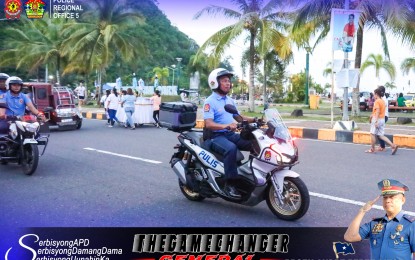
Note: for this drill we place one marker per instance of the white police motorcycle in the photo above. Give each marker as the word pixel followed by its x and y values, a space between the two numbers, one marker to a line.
pixel 265 175
pixel 20 144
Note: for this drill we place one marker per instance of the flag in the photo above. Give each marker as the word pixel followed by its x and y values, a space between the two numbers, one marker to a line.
pixel 342 248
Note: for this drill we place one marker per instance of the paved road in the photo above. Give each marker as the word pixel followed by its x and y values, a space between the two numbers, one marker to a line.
pixel 114 177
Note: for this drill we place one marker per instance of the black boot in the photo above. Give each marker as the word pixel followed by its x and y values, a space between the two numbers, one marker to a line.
pixel 230 190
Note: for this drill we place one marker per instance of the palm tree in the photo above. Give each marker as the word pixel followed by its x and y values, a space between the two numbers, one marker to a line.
pixel 407 65
pixel 328 70
pixel 378 63
pixel 100 36
pixel 384 15
pixel 36 43
pixel 255 18
pixel 390 85
pixel 162 74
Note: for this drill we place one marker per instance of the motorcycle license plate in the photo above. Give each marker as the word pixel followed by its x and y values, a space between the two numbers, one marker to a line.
pixel 66 120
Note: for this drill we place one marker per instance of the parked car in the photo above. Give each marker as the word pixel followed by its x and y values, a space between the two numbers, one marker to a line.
pixel 409 99
pixel 60 101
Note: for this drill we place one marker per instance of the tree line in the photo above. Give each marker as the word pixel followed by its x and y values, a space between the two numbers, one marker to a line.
pixel 116 38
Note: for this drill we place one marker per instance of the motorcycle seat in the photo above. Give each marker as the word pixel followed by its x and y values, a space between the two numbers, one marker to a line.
pixel 197 138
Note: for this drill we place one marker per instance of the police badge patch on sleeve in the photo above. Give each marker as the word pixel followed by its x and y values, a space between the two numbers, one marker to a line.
pixel 207 108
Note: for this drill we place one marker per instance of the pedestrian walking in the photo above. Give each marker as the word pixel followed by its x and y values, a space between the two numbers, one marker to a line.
pixel 156 99
pixel 81 93
pixel 112 105
pixel 104 104
pixel 377 123
pixel 382 145
pixel 391 236
pixel 128 103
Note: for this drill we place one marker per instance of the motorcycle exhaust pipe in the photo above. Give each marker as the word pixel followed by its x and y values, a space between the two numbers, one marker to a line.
pixel 178 168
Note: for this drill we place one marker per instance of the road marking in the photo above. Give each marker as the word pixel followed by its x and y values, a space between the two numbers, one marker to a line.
pixel 123 155
pixel 353 202
pixel 346 143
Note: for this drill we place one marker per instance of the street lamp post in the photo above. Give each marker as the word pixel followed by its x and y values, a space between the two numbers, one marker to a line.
pixel 173 68
pixel 178 75
pixel 51 79
pixel 307 69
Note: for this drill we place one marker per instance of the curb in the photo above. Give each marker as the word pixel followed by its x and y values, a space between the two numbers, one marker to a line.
pixel 356 137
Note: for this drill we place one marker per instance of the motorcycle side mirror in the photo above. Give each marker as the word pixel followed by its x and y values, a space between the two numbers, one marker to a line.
pixel 232 109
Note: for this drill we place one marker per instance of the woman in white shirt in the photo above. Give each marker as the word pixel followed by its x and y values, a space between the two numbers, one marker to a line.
pixel 112 106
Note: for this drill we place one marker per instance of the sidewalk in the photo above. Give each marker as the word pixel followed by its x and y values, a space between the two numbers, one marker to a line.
pixel 402 135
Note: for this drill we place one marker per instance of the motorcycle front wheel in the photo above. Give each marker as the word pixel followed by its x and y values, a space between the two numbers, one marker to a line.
pixel 295 201
pixel 30 158
pixel 189 194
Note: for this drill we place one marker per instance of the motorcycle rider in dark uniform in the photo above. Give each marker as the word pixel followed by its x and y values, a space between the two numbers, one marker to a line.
pixel 223 139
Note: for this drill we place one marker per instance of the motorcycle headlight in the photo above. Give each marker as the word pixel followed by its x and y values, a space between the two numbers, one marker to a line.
pixel 32 127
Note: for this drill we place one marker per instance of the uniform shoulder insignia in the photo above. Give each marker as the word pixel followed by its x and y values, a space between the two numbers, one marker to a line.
pixel 1 96
pixel 409 218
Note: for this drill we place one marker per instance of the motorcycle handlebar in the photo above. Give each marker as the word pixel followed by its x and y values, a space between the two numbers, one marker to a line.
pixel 12 118
pixel 39 118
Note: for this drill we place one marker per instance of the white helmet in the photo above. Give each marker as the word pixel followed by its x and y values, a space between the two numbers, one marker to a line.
pixel 4 76
pixel 14 80
pixel 213 79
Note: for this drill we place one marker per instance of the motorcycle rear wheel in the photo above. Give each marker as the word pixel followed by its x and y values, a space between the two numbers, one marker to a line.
pixel 30 158
pixel 296 199
pixel 189 194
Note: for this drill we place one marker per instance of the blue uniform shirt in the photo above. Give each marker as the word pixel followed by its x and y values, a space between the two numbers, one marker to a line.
pixel 390 239
pixel 214 108
pixel 16 104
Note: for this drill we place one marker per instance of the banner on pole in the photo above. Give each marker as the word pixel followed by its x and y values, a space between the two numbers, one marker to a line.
pixel 344 24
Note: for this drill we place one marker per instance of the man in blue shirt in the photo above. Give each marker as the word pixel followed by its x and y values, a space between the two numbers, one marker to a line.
pixel 222 124
pixel 16 102
pixel 391 236
pixel 3 78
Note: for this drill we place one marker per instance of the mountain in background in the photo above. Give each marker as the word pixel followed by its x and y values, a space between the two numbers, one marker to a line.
pixel 164 43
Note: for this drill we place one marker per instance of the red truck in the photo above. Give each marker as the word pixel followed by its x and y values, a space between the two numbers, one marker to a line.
pixel 60 101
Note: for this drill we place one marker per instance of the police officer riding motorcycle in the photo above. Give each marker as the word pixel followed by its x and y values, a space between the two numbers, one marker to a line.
pixel 213 166
pixel 3 78
pixel 19 133
pixel 220 127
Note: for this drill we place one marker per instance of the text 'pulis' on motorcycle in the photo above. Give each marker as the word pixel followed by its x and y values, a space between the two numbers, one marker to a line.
pixel 265 175
pixel 21 143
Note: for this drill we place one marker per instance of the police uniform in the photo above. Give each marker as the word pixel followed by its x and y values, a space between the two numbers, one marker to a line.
pixel 17 104
pixel 4 126
pixel 224 142
pixel 394 238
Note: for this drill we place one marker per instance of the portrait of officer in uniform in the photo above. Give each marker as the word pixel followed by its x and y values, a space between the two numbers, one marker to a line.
pixel 391 236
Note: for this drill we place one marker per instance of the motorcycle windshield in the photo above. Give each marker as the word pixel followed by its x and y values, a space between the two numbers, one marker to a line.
pixel 276 127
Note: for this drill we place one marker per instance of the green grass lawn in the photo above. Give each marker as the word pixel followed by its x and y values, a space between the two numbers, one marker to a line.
pixel 323 113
